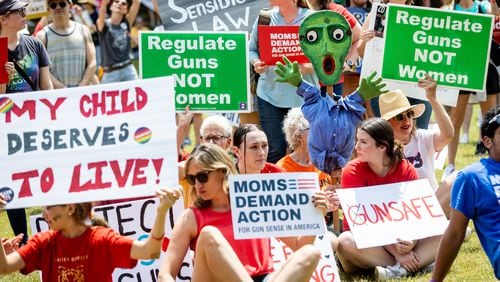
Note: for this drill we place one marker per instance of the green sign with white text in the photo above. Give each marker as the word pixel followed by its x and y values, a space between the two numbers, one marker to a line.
pixel 452 47
pixel 210 70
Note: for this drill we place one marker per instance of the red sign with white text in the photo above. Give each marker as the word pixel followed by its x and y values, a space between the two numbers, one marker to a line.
pixel 4 77
pixel 278 41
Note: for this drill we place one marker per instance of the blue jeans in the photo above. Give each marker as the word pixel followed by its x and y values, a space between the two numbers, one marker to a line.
pixel 271 120
pixel 125 74
pixel 422 121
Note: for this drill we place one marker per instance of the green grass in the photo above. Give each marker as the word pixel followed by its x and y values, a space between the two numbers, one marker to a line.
pixel 470 265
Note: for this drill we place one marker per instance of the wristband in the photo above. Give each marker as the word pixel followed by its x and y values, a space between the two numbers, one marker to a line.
pixel 433 280
pixel 157 238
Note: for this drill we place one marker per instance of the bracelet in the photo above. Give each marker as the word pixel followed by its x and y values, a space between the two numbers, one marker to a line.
pixel 433 280
pixel 157 238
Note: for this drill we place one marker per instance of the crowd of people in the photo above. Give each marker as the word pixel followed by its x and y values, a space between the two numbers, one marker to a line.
pixel 384 138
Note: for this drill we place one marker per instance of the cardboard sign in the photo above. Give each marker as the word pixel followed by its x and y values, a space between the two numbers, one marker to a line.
pixel 210 70
pixel 108 141
pixel 278 41
pixel 134 220
pixel 274 205
pixel 452 47
pixel 379 215
pixel 373 56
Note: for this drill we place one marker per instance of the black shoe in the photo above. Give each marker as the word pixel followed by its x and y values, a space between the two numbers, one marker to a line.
pixel 480 149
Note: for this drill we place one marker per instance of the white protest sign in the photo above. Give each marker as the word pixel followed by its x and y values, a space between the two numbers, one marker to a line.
pixel 134 220
pixel 274 205
pixel 326 271
pixel 108 141
pixel 373 57
pixel 379 215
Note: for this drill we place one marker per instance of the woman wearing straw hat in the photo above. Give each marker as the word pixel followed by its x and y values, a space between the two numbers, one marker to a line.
pixel 420 144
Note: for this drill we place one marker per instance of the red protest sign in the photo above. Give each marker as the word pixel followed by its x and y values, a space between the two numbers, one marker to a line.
pixel 278 41
pixel 4 77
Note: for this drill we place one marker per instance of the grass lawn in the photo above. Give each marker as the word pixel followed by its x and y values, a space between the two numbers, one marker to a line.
pixel 470 265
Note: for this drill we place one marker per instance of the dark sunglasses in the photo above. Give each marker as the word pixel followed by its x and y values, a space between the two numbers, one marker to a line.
pixel 20 11
pixel 54 5
pixel 123 3
pixel 402 116
pixel 201 176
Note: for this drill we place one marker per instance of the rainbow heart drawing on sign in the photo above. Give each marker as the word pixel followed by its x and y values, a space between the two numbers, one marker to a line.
pixel 143 135
pixel 5 104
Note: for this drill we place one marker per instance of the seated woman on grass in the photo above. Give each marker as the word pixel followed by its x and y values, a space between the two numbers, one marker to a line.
pixel 207 229
pixel 380 160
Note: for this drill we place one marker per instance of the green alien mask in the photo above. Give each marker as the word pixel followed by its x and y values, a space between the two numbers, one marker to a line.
pixel 325 38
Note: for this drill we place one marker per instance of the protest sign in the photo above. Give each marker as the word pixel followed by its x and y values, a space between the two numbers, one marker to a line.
pixel 438 42
pixel 134 220
pixel 326 271
pixel 210 70
pixel 211 15
pixel 372 61
pixel 278 41
pixel 36 9
pixel 379 215
pixel 274 205
pixel 108 141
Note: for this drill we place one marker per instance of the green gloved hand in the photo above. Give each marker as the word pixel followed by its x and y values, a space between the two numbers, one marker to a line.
pixel 370 88
pixel 288 73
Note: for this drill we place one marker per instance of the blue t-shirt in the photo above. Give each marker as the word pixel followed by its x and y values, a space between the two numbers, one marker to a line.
pixel 476 194
pixel 478 7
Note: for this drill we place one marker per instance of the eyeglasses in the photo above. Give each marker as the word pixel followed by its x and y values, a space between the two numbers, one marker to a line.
pixel 201 176
pixel 212 138
pixel 402 116
pixel 54 5
pixel 20 11
pixel 123 3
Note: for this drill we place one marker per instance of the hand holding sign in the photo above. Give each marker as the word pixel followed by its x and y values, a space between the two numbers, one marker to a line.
pixel 2 202
pixel 167 198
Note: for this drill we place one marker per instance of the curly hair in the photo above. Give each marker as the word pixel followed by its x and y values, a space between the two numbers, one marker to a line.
pixel 293 124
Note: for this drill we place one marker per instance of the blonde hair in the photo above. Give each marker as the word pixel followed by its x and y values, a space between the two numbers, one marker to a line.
pixel 211 157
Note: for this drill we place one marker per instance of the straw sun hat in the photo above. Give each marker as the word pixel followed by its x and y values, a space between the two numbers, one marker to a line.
pixel 395 102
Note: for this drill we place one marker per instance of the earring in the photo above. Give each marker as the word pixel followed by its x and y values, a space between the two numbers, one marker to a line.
pixel 70 214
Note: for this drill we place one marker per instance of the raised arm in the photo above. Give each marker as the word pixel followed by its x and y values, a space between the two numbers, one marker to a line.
pixel 151 248
pixel 13 261
pixel 444 134
pixel 103 11
pixel 366 34
pixel 184 231
pixel 132 12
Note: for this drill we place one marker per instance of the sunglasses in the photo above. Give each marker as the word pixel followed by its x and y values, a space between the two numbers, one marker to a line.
pixel 402 116
pixel 201 176
pixel 212 138
pixel 20 11
pixel 123 3
pixel 54 5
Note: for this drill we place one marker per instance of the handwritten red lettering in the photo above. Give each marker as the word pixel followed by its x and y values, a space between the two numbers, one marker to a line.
pixel 113 102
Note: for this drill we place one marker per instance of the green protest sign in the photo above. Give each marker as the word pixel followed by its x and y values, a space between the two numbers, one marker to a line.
pixel 210 70
pixel 452 47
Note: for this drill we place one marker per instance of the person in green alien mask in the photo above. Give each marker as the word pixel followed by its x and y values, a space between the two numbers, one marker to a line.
pixel 325 38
